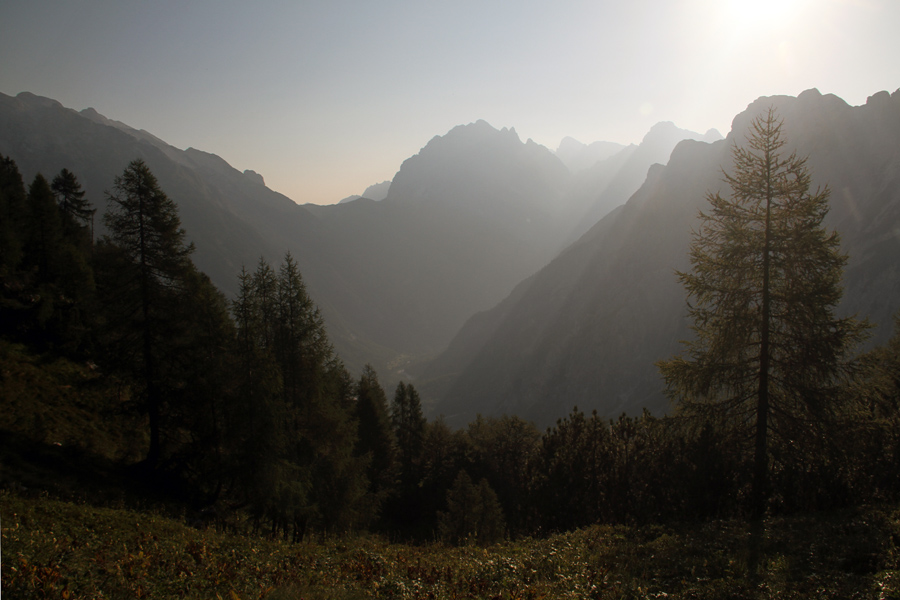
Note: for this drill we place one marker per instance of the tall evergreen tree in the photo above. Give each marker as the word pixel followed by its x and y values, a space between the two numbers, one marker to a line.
pixel 198 367
pixel 77 211
pixel 409 429
pixel 43 230
pixel 144 288
pixel 297 435
pixel 265 302
pixel 256 428
pixel 376 438
pixel 301 344
pixel 12 216
pixel 768 348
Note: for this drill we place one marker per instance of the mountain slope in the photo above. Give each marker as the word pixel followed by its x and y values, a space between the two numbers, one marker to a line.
pixel 587 329
pixel 43 136
pixel 467 218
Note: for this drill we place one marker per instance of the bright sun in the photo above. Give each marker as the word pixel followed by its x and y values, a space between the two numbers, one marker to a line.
pixel 765 15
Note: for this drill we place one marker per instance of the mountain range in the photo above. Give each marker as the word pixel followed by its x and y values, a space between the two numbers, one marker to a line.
pixel 462 222
pixel 587 329
pixel 499 276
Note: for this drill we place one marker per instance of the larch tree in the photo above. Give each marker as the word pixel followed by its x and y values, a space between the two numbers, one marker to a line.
pixel 409 428
pixel 769 351
pixel 12 217
pixel 43 229
pixel 376 437
pixel 77 211
pixel 153 266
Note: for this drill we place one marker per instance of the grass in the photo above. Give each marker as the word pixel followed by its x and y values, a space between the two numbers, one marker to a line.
pixel 61 549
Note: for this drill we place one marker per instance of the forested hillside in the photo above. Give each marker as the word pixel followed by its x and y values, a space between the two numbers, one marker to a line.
pixel 132 383
pixel 465 220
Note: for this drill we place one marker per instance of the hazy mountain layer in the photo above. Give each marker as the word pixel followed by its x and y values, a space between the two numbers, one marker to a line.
pixel 466 219
pixel 587 329
pixel 376 191
pixel 579 156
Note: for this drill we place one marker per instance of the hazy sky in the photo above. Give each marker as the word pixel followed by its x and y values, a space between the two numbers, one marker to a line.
pixel 324 98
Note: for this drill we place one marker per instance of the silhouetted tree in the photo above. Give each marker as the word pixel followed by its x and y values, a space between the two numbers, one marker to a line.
pixel 505 451
pixel 376 438
pixel 147 282
pixel 43 230
pixel 12 216
pixel 769 351
pixel 409 429
pixel 473 515
pixel 295 420
pixel 78 213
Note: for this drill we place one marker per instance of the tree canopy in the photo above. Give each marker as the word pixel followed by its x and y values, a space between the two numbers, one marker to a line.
pixel 768 350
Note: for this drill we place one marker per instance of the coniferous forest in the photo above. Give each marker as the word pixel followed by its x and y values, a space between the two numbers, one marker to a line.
pixel 134 391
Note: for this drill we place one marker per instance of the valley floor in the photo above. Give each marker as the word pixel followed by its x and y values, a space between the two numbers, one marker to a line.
pixel 63 549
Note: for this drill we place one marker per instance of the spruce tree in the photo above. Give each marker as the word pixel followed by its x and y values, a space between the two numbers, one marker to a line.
pixel 768 351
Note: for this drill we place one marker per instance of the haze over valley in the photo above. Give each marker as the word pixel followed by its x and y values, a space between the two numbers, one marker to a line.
pixel 500 276
pixel 311 299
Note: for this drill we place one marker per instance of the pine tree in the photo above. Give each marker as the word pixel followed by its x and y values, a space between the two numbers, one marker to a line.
pixel 144 285
pixel 768 351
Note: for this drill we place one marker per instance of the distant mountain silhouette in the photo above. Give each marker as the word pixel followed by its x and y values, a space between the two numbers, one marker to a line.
pixel 578 156
pixel 377 192
pixel 464 220
pixel 610 182
pixel 587 329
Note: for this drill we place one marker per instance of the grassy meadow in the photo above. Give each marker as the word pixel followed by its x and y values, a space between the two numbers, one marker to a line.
pixel 64 549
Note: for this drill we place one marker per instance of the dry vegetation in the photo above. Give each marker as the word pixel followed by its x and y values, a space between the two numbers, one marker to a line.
pixel 62 549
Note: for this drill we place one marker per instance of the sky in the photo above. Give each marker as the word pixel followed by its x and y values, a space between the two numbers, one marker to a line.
pixel 324 98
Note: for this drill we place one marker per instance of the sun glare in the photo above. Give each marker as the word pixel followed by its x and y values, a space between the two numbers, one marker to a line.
pixel 765 15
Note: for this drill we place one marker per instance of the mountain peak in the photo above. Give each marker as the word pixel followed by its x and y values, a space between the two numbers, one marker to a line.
pixel 36 100
pixel 665 130
pixel 578 156
pixel 254 177
pixel 712 135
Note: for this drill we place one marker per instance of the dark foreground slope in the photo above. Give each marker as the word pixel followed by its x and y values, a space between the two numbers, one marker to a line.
pixel 75 550
pixel 587 329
